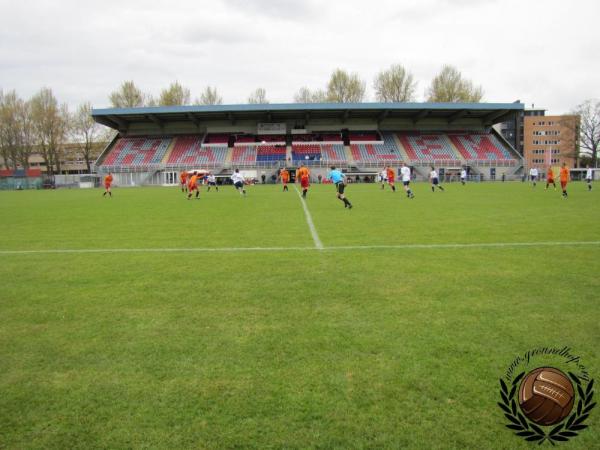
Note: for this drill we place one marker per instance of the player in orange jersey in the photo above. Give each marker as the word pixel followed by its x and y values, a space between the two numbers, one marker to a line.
pixel 304 182
pixel 193 186
pixel 183 180
pixel 285 177
pixel 108 179
pixel 391 177
pixel 564 179
pixel 550 178
pixel 301 172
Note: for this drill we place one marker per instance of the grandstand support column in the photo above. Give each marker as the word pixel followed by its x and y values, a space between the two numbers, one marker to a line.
pixel 288 155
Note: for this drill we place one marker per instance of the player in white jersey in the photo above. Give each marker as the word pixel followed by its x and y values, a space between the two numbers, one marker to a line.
pixel 463 176
pixel 405 174
pixel 211 180
pixel 435 181
pixel 533 175
pixel 238 181
pixel 589 176
pixel 383 177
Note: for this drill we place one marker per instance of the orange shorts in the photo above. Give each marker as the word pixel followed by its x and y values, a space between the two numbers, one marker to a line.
pixel 192 187
pixel 550 180
pixel 106 185
pixel 563 184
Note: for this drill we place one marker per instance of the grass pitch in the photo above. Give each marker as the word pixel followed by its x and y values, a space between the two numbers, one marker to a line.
pixel 369 343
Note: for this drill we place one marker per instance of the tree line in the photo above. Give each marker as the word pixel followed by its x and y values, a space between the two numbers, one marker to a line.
pixel 395 84
pixel 43 126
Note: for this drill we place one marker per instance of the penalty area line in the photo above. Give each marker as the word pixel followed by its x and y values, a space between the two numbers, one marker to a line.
pixel 309 221
pixel 294 249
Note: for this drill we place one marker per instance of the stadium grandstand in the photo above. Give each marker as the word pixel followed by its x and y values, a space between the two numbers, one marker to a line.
pixel 154 143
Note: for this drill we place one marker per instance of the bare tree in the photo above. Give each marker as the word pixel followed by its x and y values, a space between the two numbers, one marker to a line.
pixel 50 124
pixel 258 97
pixel 450 86
pixel 16 141
pixel 209 96
pixel 86 132
pixel 589 128
pixel 344 87
pixel 305 95
pixel 8 125
pixel 395 84
pixel 26 132
pixel 128 95
pixel 175 94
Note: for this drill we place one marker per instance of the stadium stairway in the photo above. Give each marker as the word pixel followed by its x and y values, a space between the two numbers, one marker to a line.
pixel 349 156
pixel 401 149
pixel 169 150
pixel 228 157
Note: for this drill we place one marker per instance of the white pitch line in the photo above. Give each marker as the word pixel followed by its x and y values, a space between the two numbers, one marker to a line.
pixel 288 249
pixel 309 221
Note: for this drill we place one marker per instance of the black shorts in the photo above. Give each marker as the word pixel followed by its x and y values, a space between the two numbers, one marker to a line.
pixel 339 187
pixel 435 181
pixel 533 177
pixel 406 183
pixel 212 183
pixel 589 180
pixel 239 185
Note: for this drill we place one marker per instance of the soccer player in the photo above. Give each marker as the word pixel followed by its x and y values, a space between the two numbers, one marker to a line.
pixel 183 180
pixel 405 172
pixel 212 182
pixel 435 181
pixel 550 178
pixel 564 179
pixel 301 172
pixel 108 179
pixel 589 176
pixel 285 177
pixel 383 177
pixel 193 186
pixel 463 176
pixel 338 178
pixel 391 177
pixel 304 182
pixel 238 182
pixel 533 175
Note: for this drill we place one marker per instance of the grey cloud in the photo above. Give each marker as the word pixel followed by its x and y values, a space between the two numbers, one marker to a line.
pixel 282 9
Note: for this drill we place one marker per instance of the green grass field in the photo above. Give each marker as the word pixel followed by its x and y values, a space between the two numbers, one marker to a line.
pixel 386 338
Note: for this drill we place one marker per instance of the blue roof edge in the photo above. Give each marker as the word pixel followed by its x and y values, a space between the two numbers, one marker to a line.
pixel 306 106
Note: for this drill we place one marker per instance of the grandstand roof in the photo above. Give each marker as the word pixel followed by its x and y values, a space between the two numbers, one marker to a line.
pixel 487 113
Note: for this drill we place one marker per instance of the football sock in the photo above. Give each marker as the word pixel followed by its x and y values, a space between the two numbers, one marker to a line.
pixel 432 189
pixel 441 188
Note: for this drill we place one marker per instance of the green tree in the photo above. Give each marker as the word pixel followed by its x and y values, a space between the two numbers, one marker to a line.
pixel 174 95
pixel 128 95
pixel 395 84
pixel 305 95
pixel 344 87
pixel 449 86
pixel 209 96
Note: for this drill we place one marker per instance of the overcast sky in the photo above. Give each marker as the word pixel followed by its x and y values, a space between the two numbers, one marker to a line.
pixel 542 52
